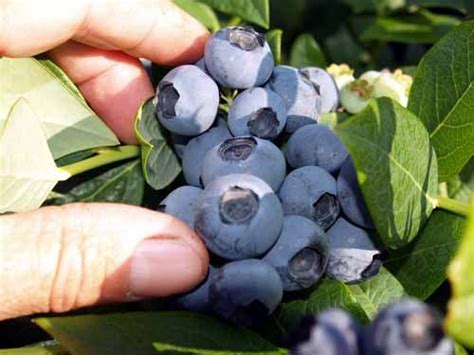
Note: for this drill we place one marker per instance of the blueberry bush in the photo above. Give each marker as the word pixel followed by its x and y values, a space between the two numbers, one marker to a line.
pixel 323 151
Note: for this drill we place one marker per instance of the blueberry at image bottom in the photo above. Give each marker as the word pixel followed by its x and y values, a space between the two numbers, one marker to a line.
pixel 245 292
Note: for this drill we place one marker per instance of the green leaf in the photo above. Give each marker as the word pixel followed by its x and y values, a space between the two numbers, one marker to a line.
pixel 442 96
pixel 123 184
pixel 159 162
pixel 421 27
pixel 175 349
pixel 396 168
pixel 274 40
pixel 35 350
pixel 254 11
pixel 74 157
pixel 68 123
pixel 327 294
pixel 461 305
pixel 421 265
pixel 135 333
pixel 306 52
pixel 27 169
pixel 377 292
pixel 459 349
pixel 453 4
pixel 461 187
pixel 201 12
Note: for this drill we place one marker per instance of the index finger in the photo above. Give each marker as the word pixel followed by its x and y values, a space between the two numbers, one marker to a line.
pixel 155 29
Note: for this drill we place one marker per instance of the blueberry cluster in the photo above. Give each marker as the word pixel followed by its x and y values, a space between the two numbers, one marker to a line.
pixel 408 327
pixel 269 231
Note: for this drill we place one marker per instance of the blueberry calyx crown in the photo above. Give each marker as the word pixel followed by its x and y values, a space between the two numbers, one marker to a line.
pixel 306 76
pixel 263 123
pixel 326 210
pixel 306 267
pixel 374 266
pixel 422 330
pixel 246 38
pixel 237 149
pixel 167 98
pixel 238 205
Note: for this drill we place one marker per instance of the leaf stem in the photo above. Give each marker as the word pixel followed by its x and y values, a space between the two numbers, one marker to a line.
pixel 451 205
pixel 105 156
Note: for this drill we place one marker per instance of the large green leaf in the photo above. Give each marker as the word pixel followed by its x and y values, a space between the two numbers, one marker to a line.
pixel 421 27
pixel 69 124
pixel 35 350
pixel 442 96
pixel 396 168
pixel 459 320
pixel 306 52
pixel 421 265
pixel 135 333
pixel 254 11
pixel 363 300
pixel 377 292
pixel 122 184
pixel 27 169
pixel 201 12
pixel 274 40
pixel 159 162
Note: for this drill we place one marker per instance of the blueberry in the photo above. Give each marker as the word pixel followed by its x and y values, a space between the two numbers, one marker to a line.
pixel 331 332
pixel 325 85
pixel 187 100
pixel 238 216
pixel 352 255
pixel 245 292
pixel 257 112
pixel 238 57
pixel 197 300
pixel 245 155
pixel 310 192
pixel 300 254
pixel 408 327
pixel 181 203
pixel 197 148
pixel 179 143
pixel 303 103
pixel 201 64
pixel 316 145
pixel 351 198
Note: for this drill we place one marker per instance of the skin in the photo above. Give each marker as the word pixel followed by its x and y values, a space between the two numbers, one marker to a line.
pixel 56 259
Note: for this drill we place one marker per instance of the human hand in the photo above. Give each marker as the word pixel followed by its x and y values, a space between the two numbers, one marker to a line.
pixel 56 259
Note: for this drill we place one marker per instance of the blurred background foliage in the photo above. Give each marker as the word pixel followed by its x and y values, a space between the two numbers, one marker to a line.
pixel 369 34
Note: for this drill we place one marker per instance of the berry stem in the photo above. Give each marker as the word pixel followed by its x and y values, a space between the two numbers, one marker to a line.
pixel 104 156
pixel 451 205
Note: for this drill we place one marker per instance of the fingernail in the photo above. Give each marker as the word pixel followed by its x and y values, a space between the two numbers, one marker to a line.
pixel 161 267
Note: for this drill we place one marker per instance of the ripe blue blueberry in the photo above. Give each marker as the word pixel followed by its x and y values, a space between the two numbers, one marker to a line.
pixel 325 85
pixel 258 112
pixel 197 300
pixel 303 103
pixel 197 148
pixel 351 198
pixel 245 292
pixel 238 57
pixel 238 216
pixel 245 155
pixel 331 332
pixel 187 100
pixel 408 327
pixel 352 255
pixel 181 203
pixel 316 145
pixel 201 64
pixel 300 254
pixel 310 192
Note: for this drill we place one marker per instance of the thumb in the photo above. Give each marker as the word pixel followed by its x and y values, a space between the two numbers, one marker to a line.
pixel 56 259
